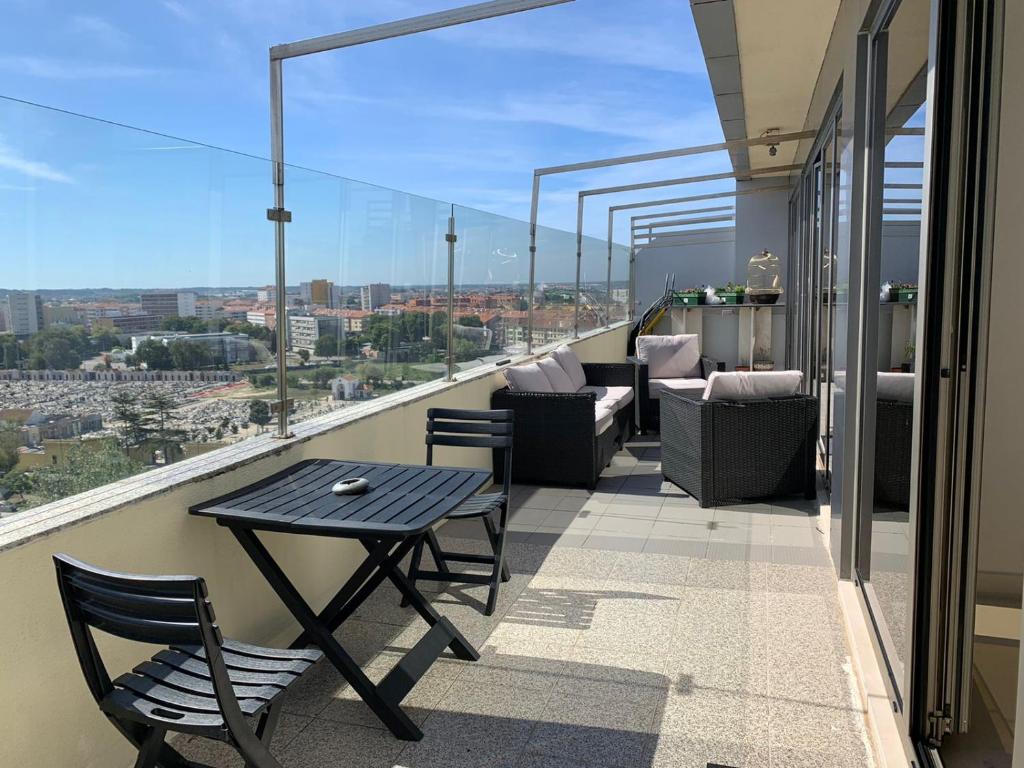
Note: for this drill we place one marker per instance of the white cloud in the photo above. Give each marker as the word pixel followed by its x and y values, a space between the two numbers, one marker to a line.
pixel 64 69
pixel 179 10
pixel 11 160
pixel 99 30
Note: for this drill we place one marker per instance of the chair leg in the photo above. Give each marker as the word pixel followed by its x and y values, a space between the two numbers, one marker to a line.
pixel 149 752
pixel 499 572
pixel 265 728
pixel 493 536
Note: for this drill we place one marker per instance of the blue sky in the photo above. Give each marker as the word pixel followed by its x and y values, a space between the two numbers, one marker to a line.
pixel 460 115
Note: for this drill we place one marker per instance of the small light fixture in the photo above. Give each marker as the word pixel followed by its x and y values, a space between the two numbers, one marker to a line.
pixel 773 149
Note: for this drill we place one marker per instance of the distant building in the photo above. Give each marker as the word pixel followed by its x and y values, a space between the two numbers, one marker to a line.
pixel 209 309
pixel 347 387
pixel 266 295
pixel 373 296
pixel 229 348
pixel 264 317
pixel 128 324
pixel 23 313
pixel 321 293
pixel 34 426
pixel 169 303
pixel 303 332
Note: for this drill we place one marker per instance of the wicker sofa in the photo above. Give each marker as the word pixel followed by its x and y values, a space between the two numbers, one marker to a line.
pixel 568 437
pixel 728 450
pixel 663 365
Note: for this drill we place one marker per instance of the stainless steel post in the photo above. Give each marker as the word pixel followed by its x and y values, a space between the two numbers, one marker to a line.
pixel 451 238
pixel 579 266
pixel 533 263
pixel 280 217
pixel 608 294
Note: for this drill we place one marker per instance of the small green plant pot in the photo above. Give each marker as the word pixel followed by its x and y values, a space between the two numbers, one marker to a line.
pixel 690 299
pixel 731 298
pixel 907 295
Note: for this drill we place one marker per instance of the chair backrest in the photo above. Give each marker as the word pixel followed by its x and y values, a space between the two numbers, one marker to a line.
pixel 472 429
pixel 163 610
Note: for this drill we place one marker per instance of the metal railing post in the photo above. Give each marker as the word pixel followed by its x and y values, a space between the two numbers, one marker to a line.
pixel 579 266
pixel 535 201
pixel 451 239
pixel 608 294
pixel 280 217
pixel 632 276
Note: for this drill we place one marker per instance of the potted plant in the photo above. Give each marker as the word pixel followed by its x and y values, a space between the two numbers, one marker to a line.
pixel 690 297
pixel 908 358
pixel 904 293
pixel 731 293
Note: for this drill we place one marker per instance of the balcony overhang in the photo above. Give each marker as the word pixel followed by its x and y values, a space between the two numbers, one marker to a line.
pixel 763 60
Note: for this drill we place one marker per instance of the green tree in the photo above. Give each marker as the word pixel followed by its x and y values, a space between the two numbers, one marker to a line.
pixel 304 355
pixel 327 346
pixel 10 351
pixel 187 324
pixel 17 482
pixel 465 350
pixel 159 409
pixel 470 321
pixel 104 340
pixel 155 355
pixel 84 468
pixel 129 417
pixel 8 449
pixel 189 356
pixel 259 413
pixel 260 332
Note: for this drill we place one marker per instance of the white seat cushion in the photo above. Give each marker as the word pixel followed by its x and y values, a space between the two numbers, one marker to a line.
pixel 752 385
pixel 657 386
pixel 527 378
pixel 670 357
pixel 560 381
pixel 604 417
pixel 566 357
pixel 616 398
pixel 895 386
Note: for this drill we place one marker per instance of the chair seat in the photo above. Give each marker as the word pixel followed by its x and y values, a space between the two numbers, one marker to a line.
pixel 479 505
pixel 656 387
pixel 175 685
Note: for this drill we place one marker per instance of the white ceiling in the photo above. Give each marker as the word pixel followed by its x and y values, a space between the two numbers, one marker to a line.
pixel 781 49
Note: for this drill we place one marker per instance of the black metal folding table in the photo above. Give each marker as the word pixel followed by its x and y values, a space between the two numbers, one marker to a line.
pixel 403 502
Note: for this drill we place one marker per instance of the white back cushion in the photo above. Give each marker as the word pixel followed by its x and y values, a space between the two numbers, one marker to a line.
pixel 571 365
pixel 895 386
pixel 560 381
pixel 527 378
pixel 755 385
pixel 670 357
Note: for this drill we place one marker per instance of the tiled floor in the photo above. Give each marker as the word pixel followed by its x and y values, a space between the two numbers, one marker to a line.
pixel 638 630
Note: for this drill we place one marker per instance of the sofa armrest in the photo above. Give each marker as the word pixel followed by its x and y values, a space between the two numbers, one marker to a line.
pixel 610 374
pixel 549 407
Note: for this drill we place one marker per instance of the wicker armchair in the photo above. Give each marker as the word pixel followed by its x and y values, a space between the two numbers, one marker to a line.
pixel 893 425
pixel 721 451
pixel 556 438
pixel 648 409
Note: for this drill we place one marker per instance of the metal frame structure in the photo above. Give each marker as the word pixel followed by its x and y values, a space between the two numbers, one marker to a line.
pixel 584 194
pixel 279 214
pixel 724 146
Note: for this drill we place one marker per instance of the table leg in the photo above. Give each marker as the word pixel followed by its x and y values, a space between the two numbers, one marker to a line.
pixel 389 712
pixel 460 646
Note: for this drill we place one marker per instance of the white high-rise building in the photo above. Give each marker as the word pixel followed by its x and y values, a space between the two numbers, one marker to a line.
pixel 169 303
pixel 23 313
pixel 374 295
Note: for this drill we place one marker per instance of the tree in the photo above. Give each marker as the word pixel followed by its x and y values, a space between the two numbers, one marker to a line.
pixel 187 324
pixel 259 413
pixel 470 321
pixel 17 482
pixel 129 416
pixel 188 356
pixel 465 350
pixel 160 408
pixel 10 351
pixel 327 346
pixel 304 355
pixel 155 355
pixel 104 340
pixel 84 468
pixel 8 449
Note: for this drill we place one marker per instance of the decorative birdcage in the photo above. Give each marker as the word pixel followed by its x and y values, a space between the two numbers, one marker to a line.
pixel 764 279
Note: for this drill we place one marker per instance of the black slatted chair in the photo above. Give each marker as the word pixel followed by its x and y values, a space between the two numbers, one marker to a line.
pixel 471 429
pixel 201 684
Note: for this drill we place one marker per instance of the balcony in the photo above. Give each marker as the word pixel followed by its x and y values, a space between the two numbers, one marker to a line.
pixel 637 630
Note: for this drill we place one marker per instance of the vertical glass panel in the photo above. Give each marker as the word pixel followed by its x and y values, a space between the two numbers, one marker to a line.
pixel 893 254
pixel 130 261
pixel 555 287
pixel 492 278
pixel 367 272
